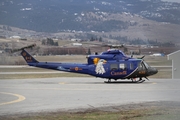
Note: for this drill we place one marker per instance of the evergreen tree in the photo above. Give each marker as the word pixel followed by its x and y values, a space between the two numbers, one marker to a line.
pixel 92 39
pixel 100 39
pixel 89 51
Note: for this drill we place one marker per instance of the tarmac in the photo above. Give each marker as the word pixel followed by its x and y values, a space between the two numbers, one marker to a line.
pixel 24 96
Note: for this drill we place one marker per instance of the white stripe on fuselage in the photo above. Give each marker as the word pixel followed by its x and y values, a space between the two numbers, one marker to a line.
pixel 131 73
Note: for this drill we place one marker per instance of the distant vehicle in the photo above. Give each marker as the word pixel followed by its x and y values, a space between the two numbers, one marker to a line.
pixel 111 64
pixel 157 54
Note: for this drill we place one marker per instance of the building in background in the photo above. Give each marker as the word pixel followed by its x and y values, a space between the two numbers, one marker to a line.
pixel 175 57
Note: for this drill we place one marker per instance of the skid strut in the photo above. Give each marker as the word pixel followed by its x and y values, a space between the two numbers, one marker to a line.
pixel 139 81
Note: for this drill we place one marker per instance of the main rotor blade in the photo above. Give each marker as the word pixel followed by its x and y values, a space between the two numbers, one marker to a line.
pixel 26 47
pixel 106 45
pixel 142 57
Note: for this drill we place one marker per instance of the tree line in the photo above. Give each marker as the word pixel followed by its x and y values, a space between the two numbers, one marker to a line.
pixel 50 42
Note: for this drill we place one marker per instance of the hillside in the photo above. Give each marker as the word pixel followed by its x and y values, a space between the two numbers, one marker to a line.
pixel 125 20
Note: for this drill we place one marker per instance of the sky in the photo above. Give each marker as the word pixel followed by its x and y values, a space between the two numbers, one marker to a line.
pixel 172 0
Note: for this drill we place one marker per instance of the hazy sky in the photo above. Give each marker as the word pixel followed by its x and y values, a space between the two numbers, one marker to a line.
pixel 172 0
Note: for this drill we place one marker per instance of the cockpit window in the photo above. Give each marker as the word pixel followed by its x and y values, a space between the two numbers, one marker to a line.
pixel 143 65
pixel 146 65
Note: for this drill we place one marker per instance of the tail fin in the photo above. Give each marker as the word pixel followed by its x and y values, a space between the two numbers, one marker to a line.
pixel 27 57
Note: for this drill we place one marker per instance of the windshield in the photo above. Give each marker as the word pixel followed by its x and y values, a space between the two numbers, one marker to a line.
pixel 146 65
pixel 143 65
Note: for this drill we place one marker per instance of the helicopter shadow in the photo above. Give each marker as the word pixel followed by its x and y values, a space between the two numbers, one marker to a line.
pixel 112 82
pixel 124 82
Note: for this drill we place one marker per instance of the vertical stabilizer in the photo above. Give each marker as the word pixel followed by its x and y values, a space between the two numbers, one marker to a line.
pixel 27 57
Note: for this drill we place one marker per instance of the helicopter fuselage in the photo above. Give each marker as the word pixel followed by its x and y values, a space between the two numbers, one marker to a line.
pixel 133 68
pixel 110 65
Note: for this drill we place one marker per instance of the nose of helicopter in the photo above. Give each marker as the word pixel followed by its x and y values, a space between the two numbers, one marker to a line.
pixel 152 71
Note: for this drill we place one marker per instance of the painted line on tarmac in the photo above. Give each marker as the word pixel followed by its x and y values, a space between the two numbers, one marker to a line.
pixel 62 83
pixel 20 98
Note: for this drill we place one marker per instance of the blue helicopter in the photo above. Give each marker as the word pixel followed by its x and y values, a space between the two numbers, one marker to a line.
pixel 111 64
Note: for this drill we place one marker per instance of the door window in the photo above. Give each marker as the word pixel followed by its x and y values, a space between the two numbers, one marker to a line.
pixel 131 66
pixel 114 67
pixel 122 66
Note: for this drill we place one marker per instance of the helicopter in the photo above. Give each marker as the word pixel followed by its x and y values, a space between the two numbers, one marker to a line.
pixel 112 65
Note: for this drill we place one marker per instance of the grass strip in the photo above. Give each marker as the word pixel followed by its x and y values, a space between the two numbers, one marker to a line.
pixel 133 114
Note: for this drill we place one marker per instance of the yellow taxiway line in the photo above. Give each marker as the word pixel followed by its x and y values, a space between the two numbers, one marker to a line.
pixel 20 98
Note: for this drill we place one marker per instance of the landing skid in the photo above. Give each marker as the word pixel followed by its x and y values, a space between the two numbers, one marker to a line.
pixel 139 81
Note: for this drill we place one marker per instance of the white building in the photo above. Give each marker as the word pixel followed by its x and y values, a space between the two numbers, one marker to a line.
pixel 77 44
pixel 16 37
pixel 175 57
